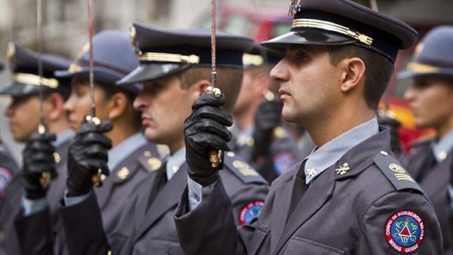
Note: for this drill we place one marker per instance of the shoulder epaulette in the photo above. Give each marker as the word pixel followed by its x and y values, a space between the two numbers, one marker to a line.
pixel 242 170
pixel 395 173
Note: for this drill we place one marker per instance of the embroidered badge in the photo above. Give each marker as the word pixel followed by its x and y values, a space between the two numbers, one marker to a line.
pixel 294 7
pixel 5 178
pixel 405 231
pixel 250 212
pixel 343 169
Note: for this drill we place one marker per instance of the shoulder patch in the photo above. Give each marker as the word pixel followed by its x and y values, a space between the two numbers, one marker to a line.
pixel 395 173
pixel 250 212
pixel 404 231
pixel 5 178
pixel 245 172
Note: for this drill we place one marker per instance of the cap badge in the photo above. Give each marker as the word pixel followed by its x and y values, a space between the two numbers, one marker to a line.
pixel 133 38
pixel 294 7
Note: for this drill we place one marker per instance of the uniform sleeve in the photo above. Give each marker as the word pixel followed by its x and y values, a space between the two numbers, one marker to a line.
pixel 400 223
pixel 84 232
pixel 34 233
pixel 210 227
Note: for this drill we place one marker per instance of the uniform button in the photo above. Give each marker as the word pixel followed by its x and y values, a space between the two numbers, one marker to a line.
pixel 230 154
pixel 384 153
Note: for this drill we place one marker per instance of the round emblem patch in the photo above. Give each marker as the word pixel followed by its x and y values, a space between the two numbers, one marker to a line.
pixel 405 231
pixel 250 212
pixel 5 178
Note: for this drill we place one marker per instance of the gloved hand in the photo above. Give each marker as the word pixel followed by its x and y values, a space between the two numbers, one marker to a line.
pixel 39 165
pixel 393 125
pixel 267 117
pixel 87 153
pixel 205 130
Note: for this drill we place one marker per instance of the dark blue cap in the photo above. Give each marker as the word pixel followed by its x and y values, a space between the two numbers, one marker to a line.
pixel 165 52
pixel 113 58
pixel 25 74
pixel 344 22
pixel 433 55
pixel 259 56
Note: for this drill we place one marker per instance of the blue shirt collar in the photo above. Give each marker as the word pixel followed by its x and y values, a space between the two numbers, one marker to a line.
pixel 322 158
pixel 63 137
pixel 442 147
pixel 174 162
pixel 124 149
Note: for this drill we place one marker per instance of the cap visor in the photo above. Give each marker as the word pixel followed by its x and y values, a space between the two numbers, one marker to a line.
pixel 147 72
pixel 311 37
pixel 100 75
pixel 447 73
pixel 18 89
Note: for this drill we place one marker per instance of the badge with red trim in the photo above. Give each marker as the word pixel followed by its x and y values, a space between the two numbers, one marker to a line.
pixel 250 212
pixel 405 231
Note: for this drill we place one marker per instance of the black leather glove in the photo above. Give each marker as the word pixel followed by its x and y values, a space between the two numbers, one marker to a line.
pixel 205 130
pixel 39 165
pixel 87 153
pixel 394 126
pixel 267 117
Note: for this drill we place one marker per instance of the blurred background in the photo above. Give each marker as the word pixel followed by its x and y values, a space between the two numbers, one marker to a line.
pixel 65 30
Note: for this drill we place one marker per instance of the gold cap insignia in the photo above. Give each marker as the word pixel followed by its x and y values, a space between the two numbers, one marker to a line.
pixel 133 37
pixel 244 168
pixel 123 173
pixel 294 7
pixel 154 163
pixel 343 169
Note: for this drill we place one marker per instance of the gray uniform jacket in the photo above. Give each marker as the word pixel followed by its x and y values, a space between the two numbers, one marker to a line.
pixel 434 180
pixel 8 170
pixel 147 225
pixel 35 234
pixel 359 210
pixel 13 201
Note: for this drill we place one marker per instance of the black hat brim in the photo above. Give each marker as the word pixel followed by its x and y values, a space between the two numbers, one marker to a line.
pixel 310 37
pixel 148 72
pixel 442 72
pixel 17 89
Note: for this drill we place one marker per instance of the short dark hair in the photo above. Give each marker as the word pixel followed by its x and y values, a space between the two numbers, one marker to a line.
pixel 229 81
pixel 379 69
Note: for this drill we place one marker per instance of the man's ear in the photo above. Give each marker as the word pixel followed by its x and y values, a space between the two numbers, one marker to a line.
pixel 118 105
pixel 54 106
pixel 200 87
pixel 353 73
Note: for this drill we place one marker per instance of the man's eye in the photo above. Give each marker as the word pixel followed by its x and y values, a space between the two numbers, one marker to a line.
pixel 297 57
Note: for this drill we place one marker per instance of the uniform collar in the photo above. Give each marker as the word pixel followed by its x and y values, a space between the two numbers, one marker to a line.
pixel 174 162
pixel 63 137
pixel 325 156
pixel 443 146
pixel 124 149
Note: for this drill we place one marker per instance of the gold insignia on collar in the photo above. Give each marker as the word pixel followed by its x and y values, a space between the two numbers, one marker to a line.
pixel 154 163
pixel 56 157
pixel 279 132
pixel 442 155
pixel 147 154
pixel 397 168
pixel 294 7
pixel 163 150
pixel 244 168
pixel 123 173
pixel 343 169
pixel 311 172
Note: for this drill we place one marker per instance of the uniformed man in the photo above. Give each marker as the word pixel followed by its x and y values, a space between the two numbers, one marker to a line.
pixel 24 117
pixel 113 58
pixel 431 100
pixel 350 195
pixel 174 70
pixel 259 135
pixel 8 165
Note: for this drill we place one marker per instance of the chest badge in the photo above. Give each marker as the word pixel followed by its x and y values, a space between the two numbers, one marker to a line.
pixel 405 231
